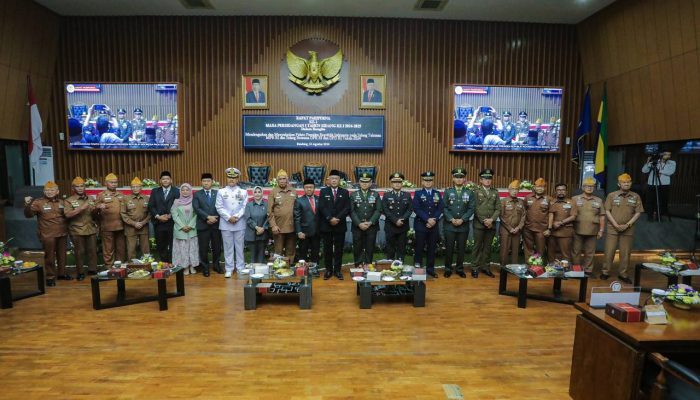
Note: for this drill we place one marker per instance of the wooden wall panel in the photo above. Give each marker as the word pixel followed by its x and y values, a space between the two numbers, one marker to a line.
pixel 28 46
pixel 646 48
pixel 420 59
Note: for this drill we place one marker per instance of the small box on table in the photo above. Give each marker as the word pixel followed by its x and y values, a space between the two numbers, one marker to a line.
pixel 624 312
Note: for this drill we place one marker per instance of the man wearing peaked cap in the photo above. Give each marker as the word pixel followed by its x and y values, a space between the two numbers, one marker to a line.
pixel 522 128
pixel 124 127
pixel 365 210
pixel 159 205
pixel 53 230
pixel 487 209
pixel 397 209
pixel 108 210
pixel 135 215
pixel 79 210
pixel 138 124
pixel 280 212
pixel 208 233
pixel 588 226
pixel 512 223
pixel 428 206
pixel 623 208
pixel 458 209
pixel 230 204
pixel 334 208
pixel 536 220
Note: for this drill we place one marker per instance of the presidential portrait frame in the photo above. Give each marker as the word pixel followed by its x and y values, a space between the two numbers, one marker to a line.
pixel 379 89
pixel 248 99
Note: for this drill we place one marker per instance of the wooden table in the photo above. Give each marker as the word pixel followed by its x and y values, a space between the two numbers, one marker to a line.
pixel 368 290
pixel 6 298
pixel 609 356
pixel 522 294
pixel 162 296
pixel 252 293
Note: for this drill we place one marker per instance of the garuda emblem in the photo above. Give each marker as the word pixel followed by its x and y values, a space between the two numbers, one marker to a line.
pixel 313 75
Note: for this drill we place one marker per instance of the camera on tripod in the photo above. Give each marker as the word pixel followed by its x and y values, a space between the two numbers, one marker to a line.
pixel 652 150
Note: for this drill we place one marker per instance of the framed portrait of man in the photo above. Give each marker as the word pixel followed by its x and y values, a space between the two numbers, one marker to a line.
pixel 372 91
pixel 254 89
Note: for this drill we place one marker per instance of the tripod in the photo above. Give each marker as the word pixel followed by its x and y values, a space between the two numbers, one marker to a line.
pixel 656 182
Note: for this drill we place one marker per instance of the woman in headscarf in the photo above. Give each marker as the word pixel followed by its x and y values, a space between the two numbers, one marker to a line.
pixel 256 234
pixel 185 247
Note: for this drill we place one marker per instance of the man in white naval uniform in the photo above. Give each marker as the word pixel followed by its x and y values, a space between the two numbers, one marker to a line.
pixel 230 204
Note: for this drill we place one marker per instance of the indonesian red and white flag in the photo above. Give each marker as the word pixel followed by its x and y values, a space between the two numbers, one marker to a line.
pixel 35 127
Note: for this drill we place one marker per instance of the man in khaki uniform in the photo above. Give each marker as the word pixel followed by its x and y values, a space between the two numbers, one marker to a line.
pixel 486 212
pixel 83 230
pixel 365 210
pixel 562 214
pixel 111 224
pixel 622 207
pixel 281 216
pixel 536 220
pixel 53 231
pixel 588 226
pixel 512 223
pixel 134 213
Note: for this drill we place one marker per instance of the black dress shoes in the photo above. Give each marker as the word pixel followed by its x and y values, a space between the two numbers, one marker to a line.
pixel 80 277
pixel 488 272
pixel 624 279
pixel 461 274
pixel 50 282
pixel 433 274
pixel 475 273
pixel 448 274
pixel 327 275
pixel 64 277
pixel 339 275
pixel 205 271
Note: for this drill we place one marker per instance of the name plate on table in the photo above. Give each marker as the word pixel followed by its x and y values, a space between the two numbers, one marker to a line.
pixel 600 296
pixel 655 315
pixel 313 132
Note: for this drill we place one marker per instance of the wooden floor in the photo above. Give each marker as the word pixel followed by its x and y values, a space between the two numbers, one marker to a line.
pixel 206 345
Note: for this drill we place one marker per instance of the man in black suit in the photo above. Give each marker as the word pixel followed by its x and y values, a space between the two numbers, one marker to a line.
pixel 334 207
pixel 159 206
pixel 306 223
pixel 204 205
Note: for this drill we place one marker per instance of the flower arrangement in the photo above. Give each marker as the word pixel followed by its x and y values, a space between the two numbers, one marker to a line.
pixel 149 183
pixel 152 243
pixel 343 184
pixel 527 185
pixel 215 184
pixel 535 259
pixel 683 296
pixel 89 182
pixel 273 182
pixel 408 184
pixel 471 185
pixel 7 259
pixel 667 258
pixel 146 259
pixel 4 244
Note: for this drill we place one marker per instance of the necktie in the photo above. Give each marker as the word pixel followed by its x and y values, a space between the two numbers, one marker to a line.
pixel 209 196
pixel 429 193
pixel 334 194
pixel 165 193
pixel 313 206
pixel 369 98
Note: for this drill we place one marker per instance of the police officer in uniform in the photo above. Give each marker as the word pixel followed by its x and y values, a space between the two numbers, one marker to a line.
pixel 365 210
pixel 458 209
pixel 562 214
pixel 79 209
pixel 135 215
pixel 536 220
pixel 512 223
pixel 397 209
pixel 124 127
pixel 622 207
pixel 111 224
pixel 488 208
pixel 522 128
pixel 281 216
pixel 428 205
pixel 588 226
pixel 53 231
pixel 138 124
pixel 509 130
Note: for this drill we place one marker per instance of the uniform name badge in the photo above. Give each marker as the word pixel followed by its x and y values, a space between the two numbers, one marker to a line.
pixel 465 196
pixel 567 206
pixel 580 203
pixel 47 207
pixel 107 199
pixel 595 204
pixel 617 201
pixel 75 204
pixel 436 198
pixel 131 205
pixel 530 202
pixel 632 200
pixel 509 206
pixel 372 200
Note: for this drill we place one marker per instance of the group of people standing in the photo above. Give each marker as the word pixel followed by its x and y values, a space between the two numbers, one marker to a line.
pixel 188 226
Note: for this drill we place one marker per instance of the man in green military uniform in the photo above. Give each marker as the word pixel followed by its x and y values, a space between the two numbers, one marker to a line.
pixel 366 208
pixel 487 210
pixel 458 209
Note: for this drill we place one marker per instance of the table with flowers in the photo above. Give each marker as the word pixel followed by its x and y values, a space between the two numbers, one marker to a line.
pixel 670 267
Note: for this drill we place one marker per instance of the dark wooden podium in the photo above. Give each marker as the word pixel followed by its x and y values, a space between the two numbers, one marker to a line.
pixel 609 356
